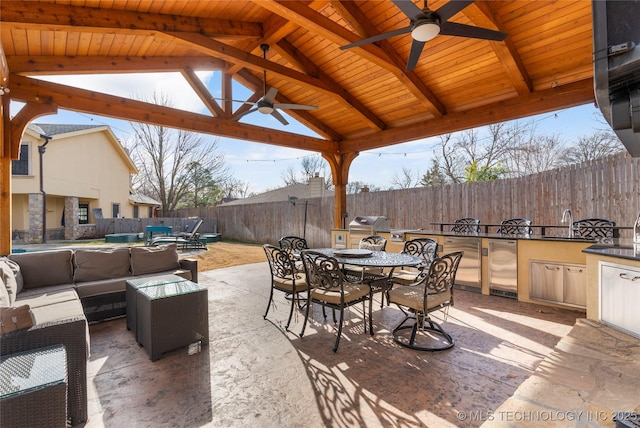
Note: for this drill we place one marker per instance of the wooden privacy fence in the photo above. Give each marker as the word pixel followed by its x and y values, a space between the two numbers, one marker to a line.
pixel 605 188
pixel 108 226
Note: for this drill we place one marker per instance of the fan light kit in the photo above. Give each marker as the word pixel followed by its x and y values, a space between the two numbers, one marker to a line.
pixel 266 104
pixel 426 24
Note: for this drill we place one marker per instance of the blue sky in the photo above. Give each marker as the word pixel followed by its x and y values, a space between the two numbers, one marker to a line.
pixel 262 165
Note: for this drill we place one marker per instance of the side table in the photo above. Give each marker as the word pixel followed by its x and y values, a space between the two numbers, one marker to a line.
pixel 171 315
pixel 33 388
pixel 132 285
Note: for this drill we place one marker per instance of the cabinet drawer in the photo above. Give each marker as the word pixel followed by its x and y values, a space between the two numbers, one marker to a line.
pixel 619 297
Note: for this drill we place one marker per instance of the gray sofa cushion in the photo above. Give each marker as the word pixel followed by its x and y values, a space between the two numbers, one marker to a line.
pixel 43 268
pixel 49 297
pixel 146 260
pixel 96 265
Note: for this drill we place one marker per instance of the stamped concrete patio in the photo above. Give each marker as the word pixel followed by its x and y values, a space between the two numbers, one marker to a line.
pixel 254 373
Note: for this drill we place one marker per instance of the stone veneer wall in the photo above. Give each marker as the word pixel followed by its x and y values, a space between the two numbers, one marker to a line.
pixel 71 226
pixel 34 235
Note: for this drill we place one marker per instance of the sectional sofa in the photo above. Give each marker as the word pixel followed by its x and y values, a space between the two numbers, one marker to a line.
pixel 64 289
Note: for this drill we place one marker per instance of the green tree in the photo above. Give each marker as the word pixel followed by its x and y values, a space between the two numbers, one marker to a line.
pixel 473 172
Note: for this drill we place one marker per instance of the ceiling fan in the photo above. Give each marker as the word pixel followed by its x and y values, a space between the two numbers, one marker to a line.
pixel 426 24
pixel 266 104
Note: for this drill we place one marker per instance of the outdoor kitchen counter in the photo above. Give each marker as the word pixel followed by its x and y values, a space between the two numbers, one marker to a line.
pixel 534 252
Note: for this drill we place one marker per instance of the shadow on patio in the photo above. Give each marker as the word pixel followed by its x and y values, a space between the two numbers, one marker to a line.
pixel 253 373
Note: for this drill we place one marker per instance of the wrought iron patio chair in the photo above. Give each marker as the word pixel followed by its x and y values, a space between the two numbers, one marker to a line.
pixel 284 277
pixel 329 287
pixel 515 227
pixel 373 243
pixel 425 248
pixel 434 291
pixel 594 228
pixel 293 244
pixel 466 226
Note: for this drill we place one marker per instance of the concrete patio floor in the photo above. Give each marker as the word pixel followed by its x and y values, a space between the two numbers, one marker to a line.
pixel 254 373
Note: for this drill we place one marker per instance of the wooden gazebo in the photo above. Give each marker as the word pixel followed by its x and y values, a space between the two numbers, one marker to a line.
pixel 366 98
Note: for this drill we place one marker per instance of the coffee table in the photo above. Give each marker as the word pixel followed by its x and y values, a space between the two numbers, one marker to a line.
pixel 132 287
pixel 171 315
pixel 33 388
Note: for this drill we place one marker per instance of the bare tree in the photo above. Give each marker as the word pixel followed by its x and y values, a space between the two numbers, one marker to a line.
pixel 407 180
pixel 289 176
pixel 600 144
pixel 359 186
pixel 170 161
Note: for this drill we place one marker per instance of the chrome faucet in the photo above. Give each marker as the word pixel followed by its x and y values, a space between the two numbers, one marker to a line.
pixel 567 217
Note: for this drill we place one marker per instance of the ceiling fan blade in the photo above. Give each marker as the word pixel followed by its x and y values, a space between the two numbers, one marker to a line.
pixel 295 107
pixel 414 55
pixel 378 37
pixel 463 30
pixel 451 8
pixel 408 8
pixel 270 95
pixel 233 101
pixel 237 117
pixel 277 115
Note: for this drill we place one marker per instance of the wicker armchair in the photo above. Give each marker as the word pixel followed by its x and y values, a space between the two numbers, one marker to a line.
pixel 73 334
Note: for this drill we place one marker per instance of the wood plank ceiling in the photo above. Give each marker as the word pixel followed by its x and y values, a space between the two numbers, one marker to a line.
pixel 366 99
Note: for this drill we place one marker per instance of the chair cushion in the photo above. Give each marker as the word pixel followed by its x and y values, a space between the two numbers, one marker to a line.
pixel 351 292
pixel 146 260
pixel 405 276
pixel 50 296
pixel 413 297
pixel 43 268
pixel 94 265
pixel 286 284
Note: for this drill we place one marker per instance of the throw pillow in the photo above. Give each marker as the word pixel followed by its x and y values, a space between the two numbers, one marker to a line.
pixel 15 267
pixel 18 318
pixel 4 295
pixel 9 282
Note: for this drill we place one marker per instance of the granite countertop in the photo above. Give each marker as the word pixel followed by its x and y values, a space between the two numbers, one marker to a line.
pixel 628 251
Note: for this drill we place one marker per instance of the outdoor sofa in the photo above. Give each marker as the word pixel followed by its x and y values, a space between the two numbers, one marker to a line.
pixel 64 289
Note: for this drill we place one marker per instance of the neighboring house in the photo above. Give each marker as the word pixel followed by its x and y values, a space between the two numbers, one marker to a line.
pixel 313 189
pixel 85 175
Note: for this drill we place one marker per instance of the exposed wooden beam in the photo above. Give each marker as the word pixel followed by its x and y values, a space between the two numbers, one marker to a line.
pixel 350 11
pixel 305 17
pixel 4 68
pixel 348 100
pixel 251 81
pixel 564 96
pixel 31 110
pixel 482 15
pixel 34 65
pixel 27 89
pixel 203 93
pixel 253 62
pixel 39 15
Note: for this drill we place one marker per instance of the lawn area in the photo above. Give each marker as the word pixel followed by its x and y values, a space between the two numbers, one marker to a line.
pixel 229 253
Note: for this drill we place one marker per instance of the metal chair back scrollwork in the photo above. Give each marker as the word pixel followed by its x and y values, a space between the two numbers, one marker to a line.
pixel 293 244
pixel 466 226
pixel 285 277
pixel 515 227
pixel 329 287
pixel 434 292
pixel 373 242
pixel 594 228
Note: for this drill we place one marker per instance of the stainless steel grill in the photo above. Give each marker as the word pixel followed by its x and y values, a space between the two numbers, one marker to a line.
pixel 363 226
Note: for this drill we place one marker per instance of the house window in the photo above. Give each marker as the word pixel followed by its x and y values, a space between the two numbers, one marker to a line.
pixel 115 210
pixel 21 166
pixel 150 214
pixel 83 213
pixel 135 212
